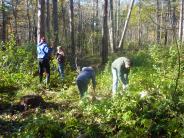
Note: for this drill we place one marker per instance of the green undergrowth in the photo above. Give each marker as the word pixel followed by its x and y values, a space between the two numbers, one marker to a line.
pixel 149 108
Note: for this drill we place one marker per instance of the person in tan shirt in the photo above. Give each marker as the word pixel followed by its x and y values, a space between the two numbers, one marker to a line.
pixel 120 70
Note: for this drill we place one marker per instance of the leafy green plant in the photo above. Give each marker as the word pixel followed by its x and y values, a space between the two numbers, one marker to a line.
pixel 41 127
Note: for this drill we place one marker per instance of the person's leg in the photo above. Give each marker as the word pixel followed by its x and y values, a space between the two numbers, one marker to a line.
pixel 82 87
pixel 61 70
pixel 115 80
pixel 40 70
pixel 47 69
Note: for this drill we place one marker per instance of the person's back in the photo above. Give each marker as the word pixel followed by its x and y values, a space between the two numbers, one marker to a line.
pixel 60 58
pixel 121 61
pixel 86 74
pixel 83 79
pixel 42 50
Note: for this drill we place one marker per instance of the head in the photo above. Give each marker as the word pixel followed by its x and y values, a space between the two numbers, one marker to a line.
pixel 59 49
pixel 87 68
pixel 128 64
pixel 83 68
pixel 42 39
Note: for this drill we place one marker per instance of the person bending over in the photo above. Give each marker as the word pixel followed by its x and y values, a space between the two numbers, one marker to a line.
pixel 84 78
pixel 120 70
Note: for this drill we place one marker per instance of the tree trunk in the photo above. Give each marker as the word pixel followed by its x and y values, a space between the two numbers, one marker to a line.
pixel 79 28
pixel 111 32
pixel 105 34
pixel 64 22
pixel 139 24
pixel 167 21
pixel 48 22
pixel 55 22
pixel 162 19
pixel 41 20
pixel 174 14
pixel 158 20
pixel 34 26
pixel 4 22
pixel 117 21
pixel 72 36
pixel 14 5
pixel 181 21
pixel 29 20
pixel 97 21
pixel 93 28
pixel 98 41
pixel 174 18
pixel 126 25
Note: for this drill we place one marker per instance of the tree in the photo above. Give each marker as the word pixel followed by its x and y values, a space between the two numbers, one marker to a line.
pixel 72 35
pixel 112 27
pixel 41 20
pixel 79 27
pixel 174 16
pixel 48 20
pixel 181 21
pixel 126 24
pixel 64 23
pixel 4 22
pixel 105 34
pixel 33 18
pixel 29 20
pixel 158 20
pixel 14 7
pixel 117 21
pixel 139 23
pixel 97 22
pixel 55 22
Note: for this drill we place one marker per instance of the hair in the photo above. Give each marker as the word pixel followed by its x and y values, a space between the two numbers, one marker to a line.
pixel 59 47
pixel 93 66
pixel 130 62
pixel 42 38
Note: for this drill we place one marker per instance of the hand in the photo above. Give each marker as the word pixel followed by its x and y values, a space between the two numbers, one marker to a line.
pixel 51 46
pixel 125 87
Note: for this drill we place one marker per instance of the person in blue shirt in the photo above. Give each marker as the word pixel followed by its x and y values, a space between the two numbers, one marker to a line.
pixel 43 52
pixel 84 78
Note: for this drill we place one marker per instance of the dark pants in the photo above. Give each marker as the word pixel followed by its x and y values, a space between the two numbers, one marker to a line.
pixel 82 86
pixel 44 65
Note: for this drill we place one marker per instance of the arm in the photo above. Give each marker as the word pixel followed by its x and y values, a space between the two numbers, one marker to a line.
pixel 47 49
pixel 37 50
pixel 56 55
pixel 50 49
pixel 62 53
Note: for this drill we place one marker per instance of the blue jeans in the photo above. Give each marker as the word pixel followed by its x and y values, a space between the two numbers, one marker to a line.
pixel 61 70
pixel 82 86
pixel 116 76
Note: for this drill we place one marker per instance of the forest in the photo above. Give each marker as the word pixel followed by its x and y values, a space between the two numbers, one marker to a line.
pixel 91 34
